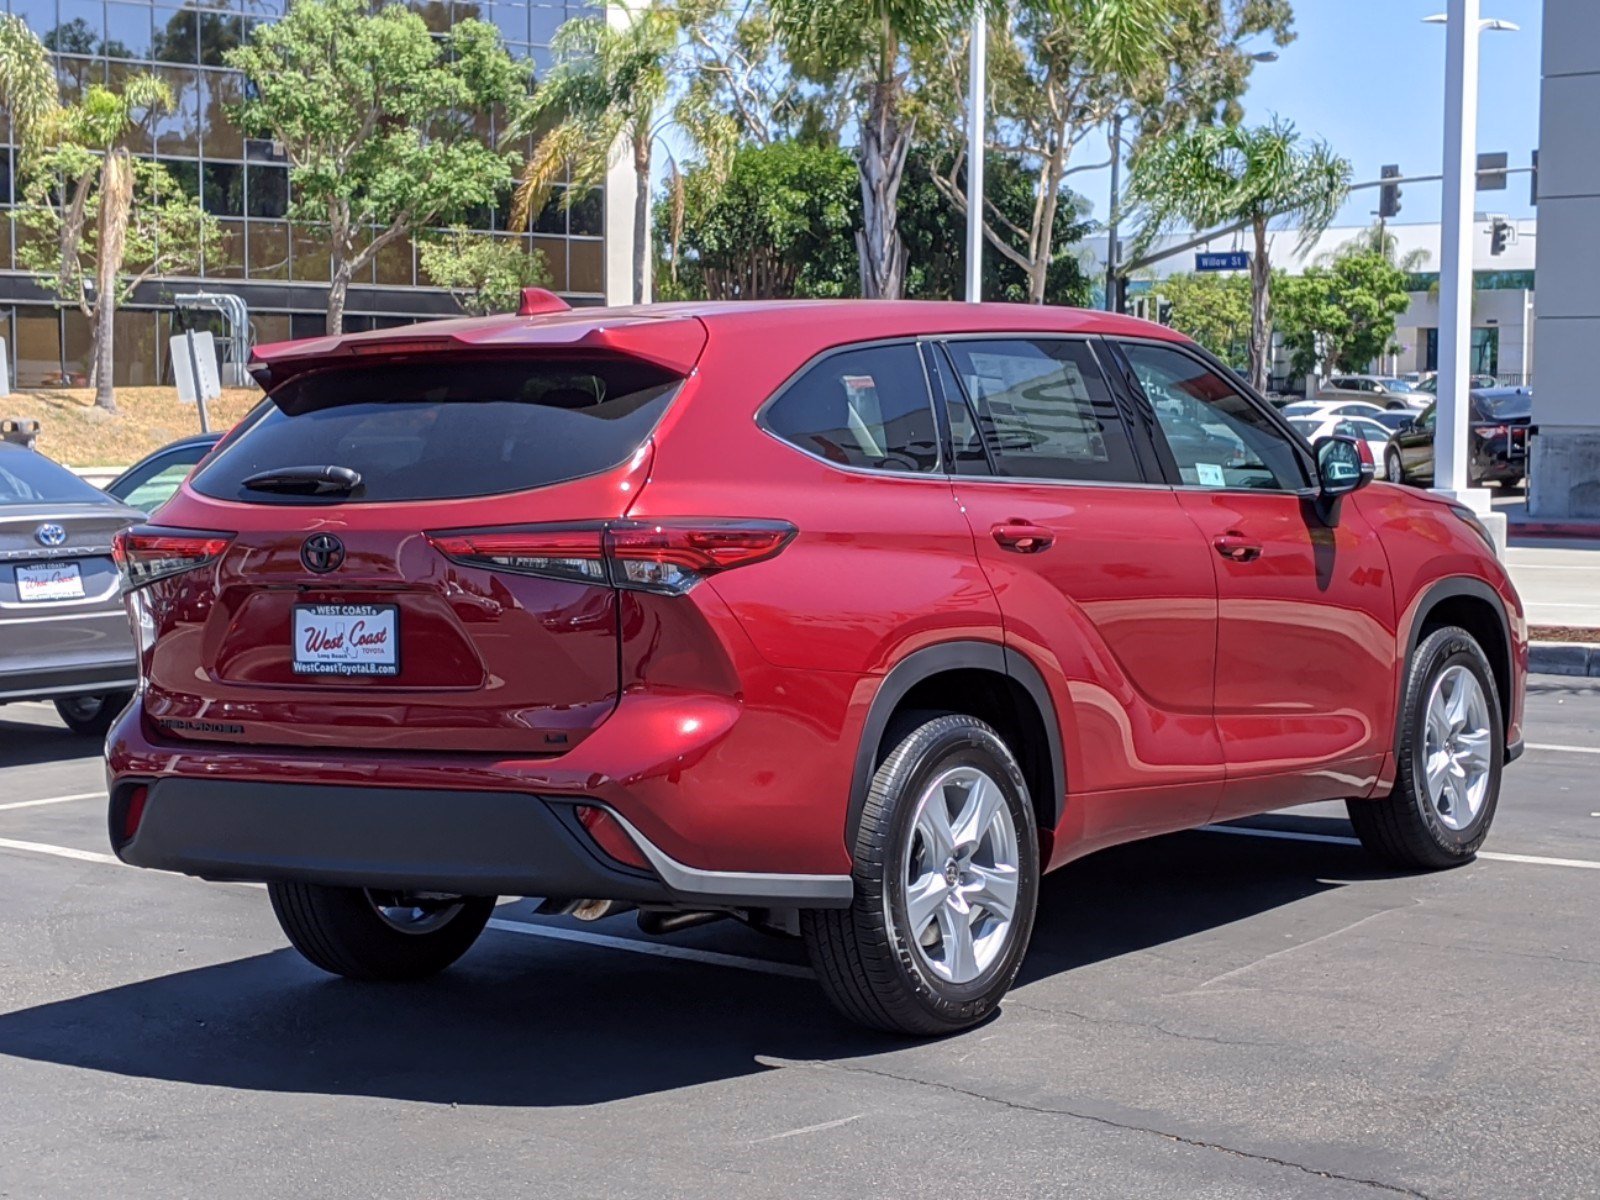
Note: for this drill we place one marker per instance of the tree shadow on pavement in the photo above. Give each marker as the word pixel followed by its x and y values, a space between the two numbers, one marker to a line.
pixel 528 1022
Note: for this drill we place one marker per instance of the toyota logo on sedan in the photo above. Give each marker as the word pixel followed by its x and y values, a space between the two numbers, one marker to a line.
pixel 322 552
pixel 50 535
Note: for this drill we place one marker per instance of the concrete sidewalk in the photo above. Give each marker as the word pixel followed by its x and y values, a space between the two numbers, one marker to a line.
pixel 1559 581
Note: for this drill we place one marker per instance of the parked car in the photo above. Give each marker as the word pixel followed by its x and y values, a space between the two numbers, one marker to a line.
pixel 1387 391
pixel 151 481
pixel 64 635
pixel 844 619
pixel 1315 428
pixel 1497 447
pixel 1336 408
pixel 1430 385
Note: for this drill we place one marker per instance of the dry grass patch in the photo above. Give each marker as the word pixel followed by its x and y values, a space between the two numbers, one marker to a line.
pixel 73 431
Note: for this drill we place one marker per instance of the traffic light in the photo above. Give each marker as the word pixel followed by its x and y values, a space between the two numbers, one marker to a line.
pixel 1389 193
pixel 1499 235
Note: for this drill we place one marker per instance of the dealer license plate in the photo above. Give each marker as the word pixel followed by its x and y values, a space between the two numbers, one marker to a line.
pixel 346 639
pixel 49 581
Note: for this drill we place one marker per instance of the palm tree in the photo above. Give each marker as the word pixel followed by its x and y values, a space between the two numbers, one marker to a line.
pixel 1218 175
pixel 610 93
pixel 28 87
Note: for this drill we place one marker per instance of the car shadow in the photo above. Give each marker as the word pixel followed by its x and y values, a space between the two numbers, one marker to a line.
pixel 524 1021
pixel 26 744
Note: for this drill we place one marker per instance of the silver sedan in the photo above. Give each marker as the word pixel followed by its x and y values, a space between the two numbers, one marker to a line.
pixel 64 635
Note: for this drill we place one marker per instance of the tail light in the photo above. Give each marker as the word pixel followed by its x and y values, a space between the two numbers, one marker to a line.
pixel 652 556
pixel 144 554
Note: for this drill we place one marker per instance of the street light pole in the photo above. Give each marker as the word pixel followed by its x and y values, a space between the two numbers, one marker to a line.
pixel 977 89
pixel 1455 266
pixel 1113 251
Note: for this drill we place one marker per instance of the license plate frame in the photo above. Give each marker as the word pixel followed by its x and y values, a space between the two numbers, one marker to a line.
pixel 344 645
pixel 67 583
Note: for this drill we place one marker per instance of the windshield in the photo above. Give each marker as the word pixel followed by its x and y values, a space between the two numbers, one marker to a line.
pixel 1305 427
pixel 1514 405
pixel 29 478
pixel 444 430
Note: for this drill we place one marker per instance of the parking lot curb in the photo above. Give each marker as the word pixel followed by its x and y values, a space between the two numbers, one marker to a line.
pixel 1564 658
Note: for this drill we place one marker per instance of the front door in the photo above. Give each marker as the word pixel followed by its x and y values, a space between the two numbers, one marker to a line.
pixel 1305 632
pixel 1103 581
pixel 1415 443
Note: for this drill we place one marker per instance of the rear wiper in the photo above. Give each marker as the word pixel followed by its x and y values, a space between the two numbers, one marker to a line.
pixel 306 481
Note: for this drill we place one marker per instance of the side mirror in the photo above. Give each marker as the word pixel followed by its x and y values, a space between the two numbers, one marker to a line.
pixel 1344 464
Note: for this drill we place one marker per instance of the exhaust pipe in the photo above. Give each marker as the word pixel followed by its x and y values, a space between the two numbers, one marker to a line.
pixel 656 922
pixel 583 910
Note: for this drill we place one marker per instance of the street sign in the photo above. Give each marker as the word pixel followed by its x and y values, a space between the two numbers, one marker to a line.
pixel 1229 260
pixel 1492 171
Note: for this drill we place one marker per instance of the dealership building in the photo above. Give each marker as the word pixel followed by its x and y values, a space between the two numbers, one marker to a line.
pixel 279 268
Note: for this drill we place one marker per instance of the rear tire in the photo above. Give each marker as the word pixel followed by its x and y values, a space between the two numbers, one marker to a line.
pixel 1393 471
pixel 345 932
pixel 1451 749
pixel 920 950
pixel 91 716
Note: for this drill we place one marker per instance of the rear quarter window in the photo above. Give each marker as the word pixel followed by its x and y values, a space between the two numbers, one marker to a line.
pixel 447 430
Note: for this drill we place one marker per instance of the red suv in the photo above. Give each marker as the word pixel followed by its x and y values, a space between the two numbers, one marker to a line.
pixel 845 619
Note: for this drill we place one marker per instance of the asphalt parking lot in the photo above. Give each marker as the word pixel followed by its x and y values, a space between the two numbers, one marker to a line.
pixel 1213 1014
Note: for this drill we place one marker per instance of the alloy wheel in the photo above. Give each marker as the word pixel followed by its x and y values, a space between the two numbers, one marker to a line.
pixel 1457 747
pixel 960 874
pixel 415 912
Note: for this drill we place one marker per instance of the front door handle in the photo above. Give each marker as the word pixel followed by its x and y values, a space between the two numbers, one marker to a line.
pixel 1236 546
pixel 1022 537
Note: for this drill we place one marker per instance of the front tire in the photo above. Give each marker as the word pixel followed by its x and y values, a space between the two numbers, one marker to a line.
pixel 1450 753
pixel 368 935
pixel 946 883
pixel 91 716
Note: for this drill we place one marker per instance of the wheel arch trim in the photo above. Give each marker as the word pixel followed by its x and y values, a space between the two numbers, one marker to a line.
pixel 936 660
pixel 1432 596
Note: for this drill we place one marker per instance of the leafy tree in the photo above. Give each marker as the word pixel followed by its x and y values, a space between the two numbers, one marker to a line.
pixel 1059 74
pixel 1215 175
pixel 866 47
pixel 935 235
pixel 736 63
pixel 611 92
pixel 1342 314
pixel 485 274
pixel 98 221
pixel 1214 310
pixel 779 225
pixel 378 121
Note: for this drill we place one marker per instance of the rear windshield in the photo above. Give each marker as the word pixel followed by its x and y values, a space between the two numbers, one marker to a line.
pixel 426 431
pixel 29 478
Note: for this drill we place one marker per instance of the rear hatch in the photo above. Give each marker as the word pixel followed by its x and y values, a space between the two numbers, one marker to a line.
pixel 331 617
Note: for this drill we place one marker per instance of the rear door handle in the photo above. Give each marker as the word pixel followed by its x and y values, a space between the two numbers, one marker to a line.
pixel 1022 537
pixel 1236 546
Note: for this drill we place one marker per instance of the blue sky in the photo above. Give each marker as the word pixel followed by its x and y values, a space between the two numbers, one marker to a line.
pixel 1368 77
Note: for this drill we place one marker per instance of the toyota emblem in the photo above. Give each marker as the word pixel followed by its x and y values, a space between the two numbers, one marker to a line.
pixel 322 552
pixel 50 535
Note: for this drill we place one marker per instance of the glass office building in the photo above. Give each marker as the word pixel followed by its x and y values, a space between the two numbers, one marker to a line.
pixel 280 268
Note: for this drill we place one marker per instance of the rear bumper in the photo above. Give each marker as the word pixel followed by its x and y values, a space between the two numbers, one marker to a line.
pixel 78 679
pixel 409 839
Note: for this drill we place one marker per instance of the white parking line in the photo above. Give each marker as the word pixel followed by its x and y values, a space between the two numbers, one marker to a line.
pixel 93 856
pixel 657 949
pixel 1554 749
pixel 51 800
pixel 1291 835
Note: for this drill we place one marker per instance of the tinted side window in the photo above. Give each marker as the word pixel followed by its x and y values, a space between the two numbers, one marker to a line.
pixel 1045 409
pixel 1217 437
pixel 862 408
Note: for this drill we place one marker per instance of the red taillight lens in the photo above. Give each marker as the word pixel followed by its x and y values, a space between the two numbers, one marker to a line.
pixel 144 555
pixel 611 836
pixel 662 556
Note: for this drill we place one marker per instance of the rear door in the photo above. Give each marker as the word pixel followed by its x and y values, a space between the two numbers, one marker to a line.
pixel 360 601
pixel 1102 579
pixel 1305 637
